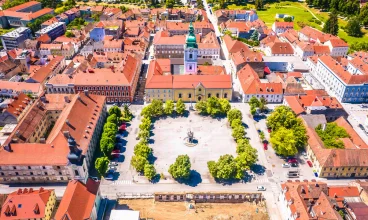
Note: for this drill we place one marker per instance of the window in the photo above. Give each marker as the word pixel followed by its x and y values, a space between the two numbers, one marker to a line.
pixel 29 167
pixel 190 67
pixel 225 95
pixel 60 173
pixel 199 90
pixel 209 95
pixel 76 172
pixel 179 95
pixel 58 167
pixel 31 173
pixel 190 95
pixel 16 173
pixel 217 95
pixel 14 168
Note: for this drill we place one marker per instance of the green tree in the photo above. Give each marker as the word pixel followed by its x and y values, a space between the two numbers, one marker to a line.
pixel 353 28
pixel 247 158
pixel 222 4
pixel 282 116
pixel 107 145
pixel 254 36
pixel 238 132
pixel 236 123
pixel 258 4
pixel 363 15
pixel 181 168
pixel 262 135
pixel 149 171
pixel 112 119
pixel 147 112
pixel 225 168
pixel 201 107
pixel 101 165
pixel 143 150
pixel 262 104
pixel 170 3
pixel 145 124
pixel 144 134
pixel 138 162
pixel 288 19
pixel 331 26
pixel 241 146
pixel 110 126
pixel 331 135
pixel 180 107
pixel 283 142
pixel 69 34
pixel 225 106
pixel 254 102
pixel 253 110
pixel 169 107
pixel 234 114
pixel 213 106
pixel 115 110
pixel 157 107
pixel 126 114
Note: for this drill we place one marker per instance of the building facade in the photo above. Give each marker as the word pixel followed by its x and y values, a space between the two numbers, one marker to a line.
pixel 16 38
pixel 53 31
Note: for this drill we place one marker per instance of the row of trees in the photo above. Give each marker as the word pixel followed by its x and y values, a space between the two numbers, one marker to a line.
pixel 142 152
pixel 227 167
pixel 288 132
pixel 157 109
pixel 347 7
pixel 213 106
pixel 36 24
pixel 108 140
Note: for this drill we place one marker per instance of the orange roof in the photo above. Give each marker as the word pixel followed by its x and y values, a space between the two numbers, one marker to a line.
pixel 337 42
pixel 162 39
pixel 321 49
pixel 18 104
pixel 208 81
pixel 118 43
pixel 209 41
pixel 26 204
pixel 134 23
pixel 21 87
pixel 281 48
pixel 42 73
pixel 316 34
pixel 354 137
pixel 44 38
pixel 132 31
pixel 299 103
pixel 358 63
pixel 23 6
pixel 343 191
pixel 177 26
pixel 305 46
pixel 234 46
pixel 239 25
pixel 291 35
pixel 246 56
pixel 270 39
pixel 251 84
pixel 341 72
pixel 50 21
pixel 78 200
pixel 280 24
pixel 55 150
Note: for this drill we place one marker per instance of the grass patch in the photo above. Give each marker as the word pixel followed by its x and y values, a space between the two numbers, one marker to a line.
pixel 331 135
pixel 239 7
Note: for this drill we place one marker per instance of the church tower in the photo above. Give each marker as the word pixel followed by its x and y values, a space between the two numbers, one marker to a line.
pixel 191 52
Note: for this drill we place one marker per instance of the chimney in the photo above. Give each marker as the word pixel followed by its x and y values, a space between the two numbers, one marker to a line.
pixel 25 191
pixel 86 93
pixel 41 190
pixel 66 99
pixel 30 190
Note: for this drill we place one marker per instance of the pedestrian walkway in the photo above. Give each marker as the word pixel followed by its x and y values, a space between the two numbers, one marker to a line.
pixel 260 179
pixel 122 182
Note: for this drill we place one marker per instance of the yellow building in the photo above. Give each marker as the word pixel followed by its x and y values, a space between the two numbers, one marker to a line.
pixel 163 85
pixel 29 204
pixel 350 162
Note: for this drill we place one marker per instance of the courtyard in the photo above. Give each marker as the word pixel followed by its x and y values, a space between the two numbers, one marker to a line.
pixel 213 136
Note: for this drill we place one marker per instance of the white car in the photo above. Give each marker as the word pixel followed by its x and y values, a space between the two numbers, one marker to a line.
pixel 261 188
pixel 285 165
pixel 113 163
pixel 305 156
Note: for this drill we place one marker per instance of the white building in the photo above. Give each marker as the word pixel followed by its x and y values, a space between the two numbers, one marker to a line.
pixel 304 50
pixel 337 47
pixel 346 86
pixel 281 27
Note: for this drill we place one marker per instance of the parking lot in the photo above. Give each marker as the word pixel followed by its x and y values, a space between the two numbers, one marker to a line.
pixel 213 136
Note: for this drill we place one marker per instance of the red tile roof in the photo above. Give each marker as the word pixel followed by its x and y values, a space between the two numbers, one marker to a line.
pixel 21 87
pixel 78 200
pixel 42 73
pixel 341 72
pixel 234 46
pixel 343 191
pixel 18 105
pixel 251 84
pixel 23 6
pixel 26 203
pixel 281 48
pixel 337 42
pixel 281 24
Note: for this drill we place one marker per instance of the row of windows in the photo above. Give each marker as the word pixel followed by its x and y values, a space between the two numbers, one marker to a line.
pixel 29 168
pixel 102 88
pixel 34 178
pixel 343 168
pixel 209 95
pixel 45 173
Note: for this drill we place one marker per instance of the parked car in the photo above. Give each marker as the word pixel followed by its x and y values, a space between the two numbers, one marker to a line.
pixel 292 160
pixel 116 153
pixel 122 127
pixel 265 145
pixel 109 176
pixel 113 163
pixel 305 156
pixel 269 130
pixel 294 165
pixel 309 163
pixel 261 188
pixel 285 165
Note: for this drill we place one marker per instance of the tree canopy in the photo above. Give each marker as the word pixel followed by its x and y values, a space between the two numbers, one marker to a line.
pixel 181 168
pixel 115 110
pixel 107 145
pixel 102 165
pixel 353 28
pixel 225 168
pixel 138 162
pixel 126 114
pixel 283 142
pixel 331 26
pixel 143 150
pixel 169 107
pixel 234 114
pixel 149 171
pixel 180 107
pixel 331 135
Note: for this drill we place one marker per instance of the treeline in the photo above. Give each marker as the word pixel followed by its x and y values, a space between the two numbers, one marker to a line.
pixel 347 7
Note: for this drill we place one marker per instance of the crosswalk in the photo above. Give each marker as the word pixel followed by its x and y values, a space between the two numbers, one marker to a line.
pixel 260 179
pixel 122 182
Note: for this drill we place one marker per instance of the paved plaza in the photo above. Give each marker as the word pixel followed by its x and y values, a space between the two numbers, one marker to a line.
pixel 213 135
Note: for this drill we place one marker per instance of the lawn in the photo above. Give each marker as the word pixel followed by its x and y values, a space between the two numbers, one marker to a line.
pixel 301 14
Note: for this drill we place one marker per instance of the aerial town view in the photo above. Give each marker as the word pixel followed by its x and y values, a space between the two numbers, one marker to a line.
pixel 184 109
